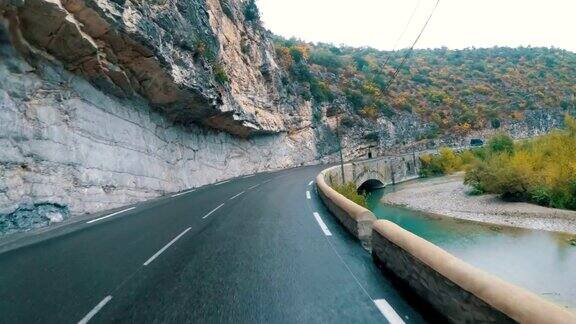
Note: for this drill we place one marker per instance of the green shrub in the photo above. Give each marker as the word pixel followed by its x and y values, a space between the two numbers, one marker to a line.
pixel 326 58
pixel 541 196
pixel 479 152
pixel 475 192
pixel 220 74
pixel 301 72
pixel 227 9
pixel 475 175
pixel 501 143
pixel 251 11
pixel 495 123
pixel 445 162
pixel 430 166
pixel 204 51
pixel 320 91
pixel 349 191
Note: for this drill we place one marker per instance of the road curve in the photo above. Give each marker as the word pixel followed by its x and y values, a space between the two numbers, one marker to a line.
pixel 249 250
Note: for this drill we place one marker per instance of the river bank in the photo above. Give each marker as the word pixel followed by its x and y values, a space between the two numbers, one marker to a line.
pixel 447 196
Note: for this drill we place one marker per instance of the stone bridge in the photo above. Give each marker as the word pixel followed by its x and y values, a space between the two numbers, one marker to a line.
pixel 378 172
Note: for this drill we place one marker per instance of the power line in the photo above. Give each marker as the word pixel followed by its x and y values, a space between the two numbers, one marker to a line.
pixel 411 48
pixel 402 34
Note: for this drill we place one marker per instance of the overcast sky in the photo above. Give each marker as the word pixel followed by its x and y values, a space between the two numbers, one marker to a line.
pixel 456 23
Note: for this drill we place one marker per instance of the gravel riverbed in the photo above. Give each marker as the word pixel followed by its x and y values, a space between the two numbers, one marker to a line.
pixel 447 196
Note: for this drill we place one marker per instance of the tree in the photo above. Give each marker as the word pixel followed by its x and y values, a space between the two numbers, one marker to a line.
pixel 370 112
pixel 570 123
pixel 501 143
pixel 251 12
pixel 320 91
pixel 325 58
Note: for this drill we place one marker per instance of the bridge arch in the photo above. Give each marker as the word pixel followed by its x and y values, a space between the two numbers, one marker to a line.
pixel 370 185
pixel 369 179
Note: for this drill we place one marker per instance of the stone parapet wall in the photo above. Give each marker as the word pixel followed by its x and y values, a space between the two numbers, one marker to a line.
pixel 356 219
pixel 457 290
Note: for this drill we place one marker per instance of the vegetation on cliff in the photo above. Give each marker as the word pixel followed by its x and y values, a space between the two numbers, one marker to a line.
pixel 456 91
pixel 541 170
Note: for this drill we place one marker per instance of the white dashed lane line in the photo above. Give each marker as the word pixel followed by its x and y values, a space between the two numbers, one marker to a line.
pixel 308 195
pixel 254 186
pixel 310 183
pixel 107 216
pixel 213 210
pixel 152 258
pixel 236 196
pixel 95 310
pixel 322 224
pixel 388 311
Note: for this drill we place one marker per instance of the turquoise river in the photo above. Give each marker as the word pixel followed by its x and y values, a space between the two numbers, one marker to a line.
pixel 543 262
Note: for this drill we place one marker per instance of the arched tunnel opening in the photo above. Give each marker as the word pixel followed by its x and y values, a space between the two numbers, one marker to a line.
pixel 370 185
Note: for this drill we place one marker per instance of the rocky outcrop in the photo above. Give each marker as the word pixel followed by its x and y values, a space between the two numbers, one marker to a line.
pixel 195 61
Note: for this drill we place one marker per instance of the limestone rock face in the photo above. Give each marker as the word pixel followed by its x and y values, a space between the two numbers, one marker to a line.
pixel 69 148
pixel 197 61
pixel 104 103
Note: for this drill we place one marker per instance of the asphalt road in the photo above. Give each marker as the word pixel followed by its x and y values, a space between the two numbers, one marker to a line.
pixel 249 250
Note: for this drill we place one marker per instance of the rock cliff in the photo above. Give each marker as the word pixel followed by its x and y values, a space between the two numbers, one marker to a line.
pixel 195 61
pixel 107 103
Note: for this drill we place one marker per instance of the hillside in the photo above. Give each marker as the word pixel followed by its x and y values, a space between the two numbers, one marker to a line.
pixel 455 91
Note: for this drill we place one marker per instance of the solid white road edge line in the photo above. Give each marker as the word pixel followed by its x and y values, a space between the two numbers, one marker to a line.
pixel 308 195
pixel 248 176
pixel 310 183
pixel 183 193
pixel 113 214
pixel 388 311
pixel 95 310
pixel 322 224
pixel 219 183
pixel 236 196
pixel 166 247
pixel 213 210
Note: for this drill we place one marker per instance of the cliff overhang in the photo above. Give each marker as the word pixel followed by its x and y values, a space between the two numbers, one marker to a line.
pixel 166 52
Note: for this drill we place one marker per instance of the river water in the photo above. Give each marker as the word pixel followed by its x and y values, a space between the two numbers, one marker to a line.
pixel 542 262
